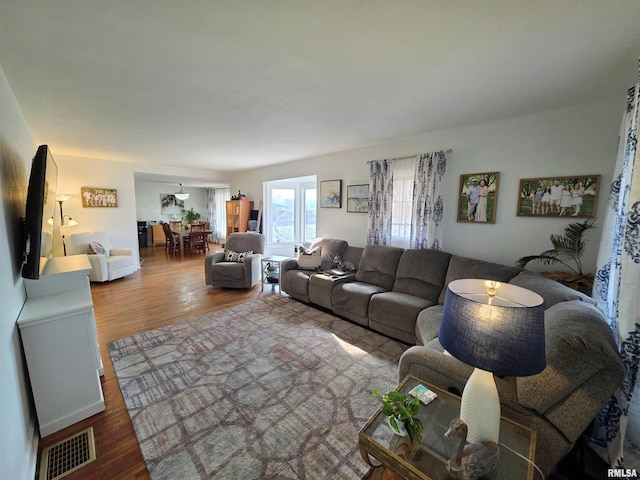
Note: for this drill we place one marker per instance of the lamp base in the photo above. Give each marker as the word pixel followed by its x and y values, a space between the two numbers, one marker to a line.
pixel 480 407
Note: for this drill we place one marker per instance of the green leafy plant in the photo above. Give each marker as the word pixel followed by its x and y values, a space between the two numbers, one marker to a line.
pixel 191 216
pixel 567 250
pixel 401 408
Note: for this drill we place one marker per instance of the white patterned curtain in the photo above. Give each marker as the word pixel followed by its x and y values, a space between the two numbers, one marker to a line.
pixel 617 284
pixel 426 223
pixel 216 206
pixel 380 202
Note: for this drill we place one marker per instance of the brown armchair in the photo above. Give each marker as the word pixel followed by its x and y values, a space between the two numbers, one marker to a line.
pixel 223 269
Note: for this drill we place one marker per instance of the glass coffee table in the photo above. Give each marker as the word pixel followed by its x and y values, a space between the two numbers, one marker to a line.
pixel 428 460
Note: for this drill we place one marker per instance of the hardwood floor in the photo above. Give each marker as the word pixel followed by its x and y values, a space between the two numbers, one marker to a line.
pixel 166 290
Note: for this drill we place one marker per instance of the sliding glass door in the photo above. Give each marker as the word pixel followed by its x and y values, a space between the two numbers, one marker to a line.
pixel 290 213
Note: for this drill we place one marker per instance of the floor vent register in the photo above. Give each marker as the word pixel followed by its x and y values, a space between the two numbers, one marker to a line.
pixel 67 456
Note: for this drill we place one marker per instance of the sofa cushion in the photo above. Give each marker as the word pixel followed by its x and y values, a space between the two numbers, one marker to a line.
pixel 421 273
pixel 378 265
pixel 464 267
pixel 351 300
pixel 231 272
pixel 551 291
pixel 395 314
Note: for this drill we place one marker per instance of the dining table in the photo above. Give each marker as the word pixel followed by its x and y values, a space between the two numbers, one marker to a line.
pixel 184 233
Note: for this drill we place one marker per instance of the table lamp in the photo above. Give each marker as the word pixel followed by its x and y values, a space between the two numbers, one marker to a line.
pixel 496 328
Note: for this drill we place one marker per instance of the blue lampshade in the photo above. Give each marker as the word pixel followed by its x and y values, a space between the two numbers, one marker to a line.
pixel 496 327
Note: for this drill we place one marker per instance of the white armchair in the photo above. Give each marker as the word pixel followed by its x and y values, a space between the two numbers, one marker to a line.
pixel 106 266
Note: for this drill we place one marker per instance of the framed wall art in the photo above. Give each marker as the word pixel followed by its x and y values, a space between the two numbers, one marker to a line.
pixel 478 197
pixel 358 198
pixel 331 194
pixel 570 196
pixel 170 205
pixel 99 197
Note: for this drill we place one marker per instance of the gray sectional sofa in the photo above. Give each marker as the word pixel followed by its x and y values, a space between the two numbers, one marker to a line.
pixel 400 293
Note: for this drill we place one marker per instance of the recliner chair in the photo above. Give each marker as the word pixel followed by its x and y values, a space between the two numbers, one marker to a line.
pixel 243 271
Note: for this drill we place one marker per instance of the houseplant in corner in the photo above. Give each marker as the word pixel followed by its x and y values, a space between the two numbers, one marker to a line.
pixel 401 410
pixel 567 250
pixel 190 216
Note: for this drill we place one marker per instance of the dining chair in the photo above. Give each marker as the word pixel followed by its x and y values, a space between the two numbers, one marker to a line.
pixel 201 227
pixel 172 244
pixel 197 241
pixel 176 224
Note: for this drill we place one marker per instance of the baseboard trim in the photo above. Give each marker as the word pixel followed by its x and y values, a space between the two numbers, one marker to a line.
pixel 30 463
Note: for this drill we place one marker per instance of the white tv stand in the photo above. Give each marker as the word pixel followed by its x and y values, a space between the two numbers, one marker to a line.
pixel 60 342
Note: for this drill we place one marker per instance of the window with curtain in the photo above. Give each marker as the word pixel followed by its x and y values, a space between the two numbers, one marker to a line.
pixel 216 209
pixel 406 201
pixel 402 202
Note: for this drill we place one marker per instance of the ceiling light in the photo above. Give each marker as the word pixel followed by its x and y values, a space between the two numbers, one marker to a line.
pixel 181 194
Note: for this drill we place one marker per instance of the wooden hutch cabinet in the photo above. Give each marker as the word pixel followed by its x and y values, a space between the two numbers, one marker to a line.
pixel 238 215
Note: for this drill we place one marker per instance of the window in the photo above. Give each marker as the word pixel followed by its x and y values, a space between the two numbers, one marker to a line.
pixel 290 213
pixel 402 203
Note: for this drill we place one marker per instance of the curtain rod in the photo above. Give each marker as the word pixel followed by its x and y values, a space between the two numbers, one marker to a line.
pixel 407 156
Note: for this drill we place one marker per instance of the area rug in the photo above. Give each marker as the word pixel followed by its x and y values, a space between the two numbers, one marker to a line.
pixel 271 389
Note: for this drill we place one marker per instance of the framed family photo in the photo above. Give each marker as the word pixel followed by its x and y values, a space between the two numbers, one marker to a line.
pixel 358 198
pixel 570 196
pixel 99 197
pixel 331 194
pixel 478 197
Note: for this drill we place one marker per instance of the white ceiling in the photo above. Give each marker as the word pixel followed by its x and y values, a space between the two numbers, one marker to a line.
pixel 229 85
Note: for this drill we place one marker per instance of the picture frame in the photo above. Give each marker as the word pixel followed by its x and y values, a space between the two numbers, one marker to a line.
pixel 99 197
pixel 483 192
pixel 170 205
pixel 358 198
pixel 331 194
pixel 539 197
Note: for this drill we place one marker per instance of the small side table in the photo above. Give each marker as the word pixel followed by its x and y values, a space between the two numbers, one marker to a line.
pixel 270 267
pixel 428 460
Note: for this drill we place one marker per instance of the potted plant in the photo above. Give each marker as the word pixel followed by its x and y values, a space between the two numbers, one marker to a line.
pixel 401 410
pixel 191 216
pixel 567 250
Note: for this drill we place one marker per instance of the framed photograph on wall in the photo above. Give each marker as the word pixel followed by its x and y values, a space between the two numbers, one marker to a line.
pixel 99 197
pixel 478 197
pixel 358 198
pixel 569 196
pixel 331 194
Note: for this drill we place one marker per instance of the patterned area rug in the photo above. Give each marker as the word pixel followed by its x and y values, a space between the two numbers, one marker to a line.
pixel 272 389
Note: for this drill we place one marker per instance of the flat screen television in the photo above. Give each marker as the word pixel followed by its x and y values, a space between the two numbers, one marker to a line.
pixel 39 213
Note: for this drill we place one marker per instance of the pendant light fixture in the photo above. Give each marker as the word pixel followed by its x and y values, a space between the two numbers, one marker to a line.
pixel 181 194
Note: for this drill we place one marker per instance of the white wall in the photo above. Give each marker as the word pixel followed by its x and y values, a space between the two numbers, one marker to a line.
pixel 148 201
pixel 568 141
pixel 119 223
pixel 19 440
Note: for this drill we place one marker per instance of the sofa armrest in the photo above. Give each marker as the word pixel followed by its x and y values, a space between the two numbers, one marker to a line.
pixel 288 264
pixel 252 269
pixel 123 252
pixel 583 368
pixel 99 271
pixel 209 260
pixel 431 364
